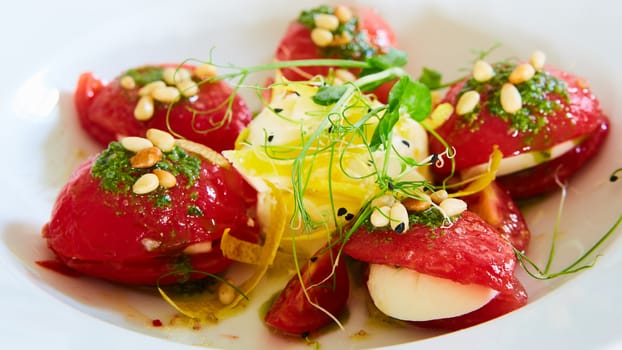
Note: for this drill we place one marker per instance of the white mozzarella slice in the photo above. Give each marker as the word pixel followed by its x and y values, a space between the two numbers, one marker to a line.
pixel 523 161
pixel 408 295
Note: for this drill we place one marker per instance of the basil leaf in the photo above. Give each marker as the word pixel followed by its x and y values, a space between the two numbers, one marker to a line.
pixel 327 95
pixel 431 78
pixel 393 58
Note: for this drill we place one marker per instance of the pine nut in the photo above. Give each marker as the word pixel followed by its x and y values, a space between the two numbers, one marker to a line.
pixel 146 158
pixel 380 216
pixel 467 102
pixel 511 101
pixel 205 71
pixel 127 82
pixel 482 71
pixel 522 73
pixel 165 178
pixel 439 196
pixel 161 139
pixel 148 89
pixel 188 88
pixel 174 76
pixel 537 60
pixel 453 206
pixel 399 217
pixel 341 39
pixel 418 205
pixel 343 13
pixel 167 94
pixel 386 200
pixel 326 21
pixel 226 293
pixel 145 184
pixel 439 115
pixel 321 37
pixel 135 143
pixel 144 108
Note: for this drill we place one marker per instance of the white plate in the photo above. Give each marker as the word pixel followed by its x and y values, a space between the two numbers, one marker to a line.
pixel 47 44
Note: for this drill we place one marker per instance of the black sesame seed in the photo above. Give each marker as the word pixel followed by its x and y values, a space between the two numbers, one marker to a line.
pixel 296 93
pixel 390 186
pixel 406 143
pixel 613 178
pixel 400 228
pixel 270 138
pixel 341 211
pixel 350 216
pixel 278 110
pixel 313 259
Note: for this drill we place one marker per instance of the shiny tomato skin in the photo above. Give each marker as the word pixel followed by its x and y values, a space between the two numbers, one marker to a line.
pixel 296 44
pixel 544 177
pixel 132 239
pixel 468 252
pixel 495 205
pixel 292 313
pixel 108 113
pixel 579 117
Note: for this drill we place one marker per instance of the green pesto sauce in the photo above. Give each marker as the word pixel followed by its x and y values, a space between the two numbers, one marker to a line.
pixel 117 175
pixel 532 117
pixel 359 48
pixel 145 75
pixel 194 210
pixel 431 217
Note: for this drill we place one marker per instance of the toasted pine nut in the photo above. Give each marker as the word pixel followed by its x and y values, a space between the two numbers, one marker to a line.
pixel 188 88
pixel 416 204
pixel 467 102
pixel 144 108
pixel 321 37
pixel 511 100
pixel 226 293
pixel 148 89
pixel 343 13
pixel 145 184
pixel 146 158
pixel 522 73
pixel 380 216
pixel 167 94
pixel 205 71
pixel 326 21
pixel 482 71
pixel 439 196
pixel 165 178
pixel 135 143
pixel 341 39
pixel 453 206
pixel 174 76
pixel 161 139
pixel 399 217
pixel 127 82
pixel 537 59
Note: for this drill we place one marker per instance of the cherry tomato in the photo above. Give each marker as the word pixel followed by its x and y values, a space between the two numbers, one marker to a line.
pixel 137 238
pixel 106 112
pixel 495 205
pixel 554 117
pixel 371 29
pixel 469 252
pixel 293 313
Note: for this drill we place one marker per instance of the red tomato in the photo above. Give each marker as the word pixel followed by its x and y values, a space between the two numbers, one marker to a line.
pixel 495 205
pixel 579 116
pixel 106 112
pixel 296 44
pixel 293 313
pixel 469 252
pixel 135 239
